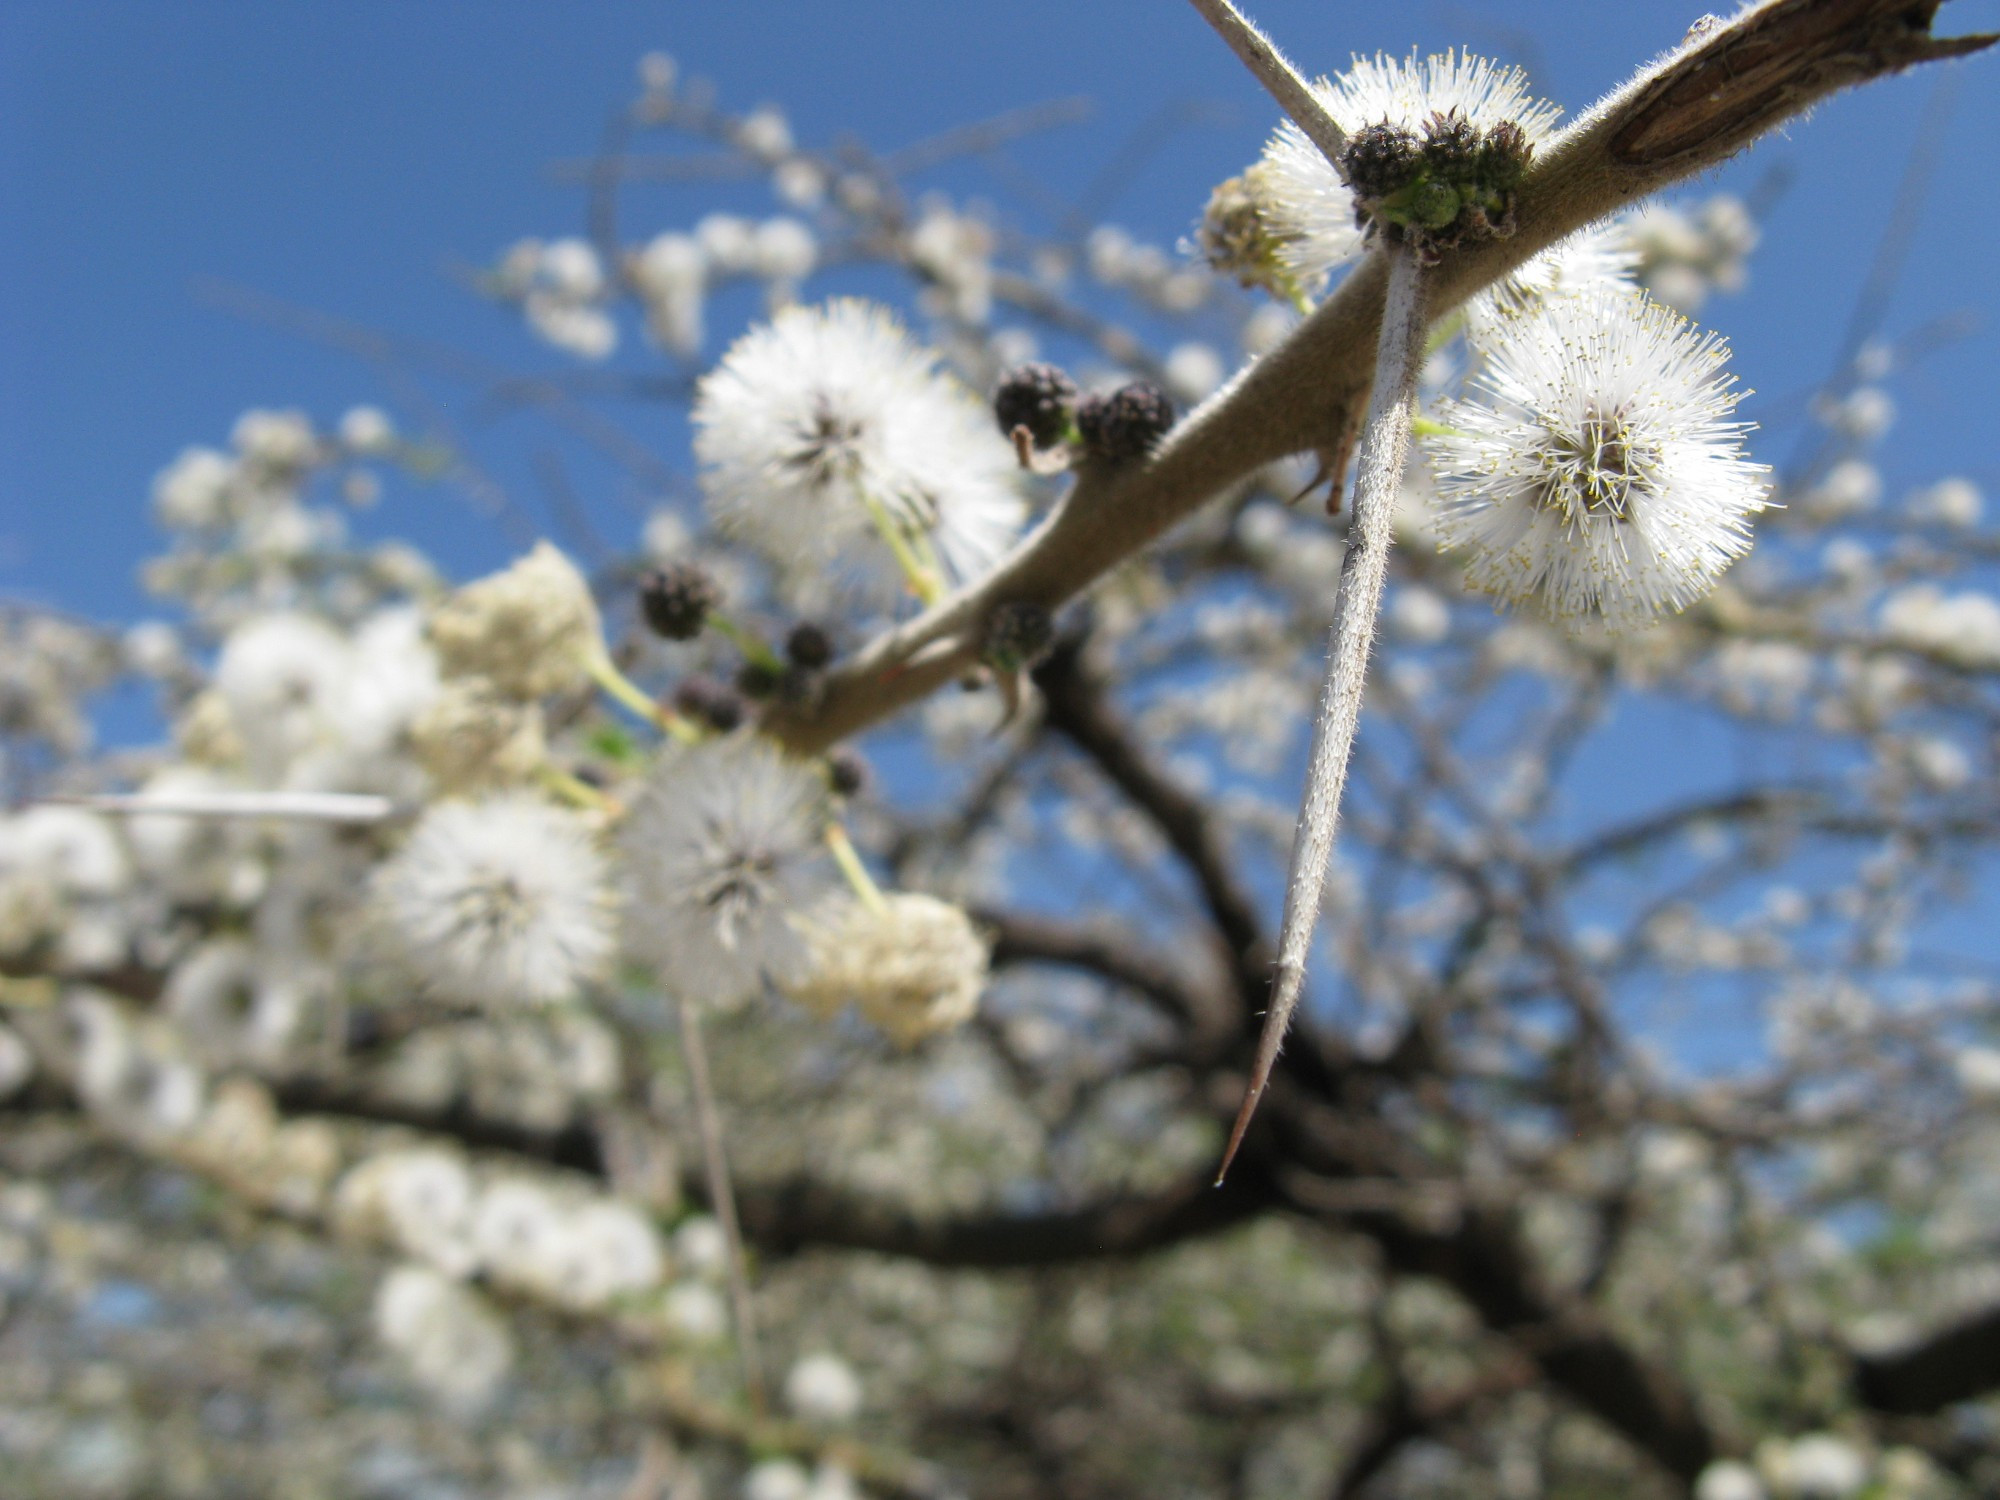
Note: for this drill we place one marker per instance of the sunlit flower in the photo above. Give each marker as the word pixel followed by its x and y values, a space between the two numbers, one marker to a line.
pixel 500 902
pixel 826 432
pixel 284 678
pixel 1600 257
pixel 472 738
pixel 1600 476
pixel 238 1008
pixel 1309 211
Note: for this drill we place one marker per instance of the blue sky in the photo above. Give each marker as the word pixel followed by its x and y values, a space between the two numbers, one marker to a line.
pixel 347 155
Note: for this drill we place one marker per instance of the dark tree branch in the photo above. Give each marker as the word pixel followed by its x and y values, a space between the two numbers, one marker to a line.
pixel 1029 938
pixel 1958 1363
pixel 1486 1262
pixel 1405 1416
pixel 1074 706
pixel 782 1218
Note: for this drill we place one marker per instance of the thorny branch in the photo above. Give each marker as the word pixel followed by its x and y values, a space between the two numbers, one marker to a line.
pixel 1695 108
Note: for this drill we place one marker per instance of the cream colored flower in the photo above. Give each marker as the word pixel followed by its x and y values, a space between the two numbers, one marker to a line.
pixel 914 966
pixel 531 630
pixel 474 738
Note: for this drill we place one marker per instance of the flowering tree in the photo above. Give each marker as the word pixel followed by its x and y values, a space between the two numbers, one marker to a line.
pixel 771 1011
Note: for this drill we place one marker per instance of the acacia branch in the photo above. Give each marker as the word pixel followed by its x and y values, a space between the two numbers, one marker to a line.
pixel 1280 79
pixel 1484 1260
pixel 1405 1416
pixel 1674 120
pixel 1026 937
pixel 1955 1364
pixel 804 1213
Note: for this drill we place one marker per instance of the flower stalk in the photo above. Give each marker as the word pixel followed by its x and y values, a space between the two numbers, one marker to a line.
pixel 604 672
pixel 856 873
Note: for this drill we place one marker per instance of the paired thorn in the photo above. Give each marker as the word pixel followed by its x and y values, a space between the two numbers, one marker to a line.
pixel 1384 447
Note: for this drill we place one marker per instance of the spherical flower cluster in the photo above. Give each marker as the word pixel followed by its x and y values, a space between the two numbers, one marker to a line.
pixel 1601 476
pixel 829 440
pixel 498 903
pixel 561 286
pixel 1960 627
pixel 913 965
pixel 550 1239
pixel 239 1008
pixel 721 849
pixel 473 738
pixel 530 630
pixel 453 1342
pixel 823 1389
pixel 1602 257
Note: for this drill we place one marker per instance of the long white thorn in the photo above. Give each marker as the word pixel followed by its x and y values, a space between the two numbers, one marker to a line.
pixel 1385 443
pixel 1278 76
pixel 311 807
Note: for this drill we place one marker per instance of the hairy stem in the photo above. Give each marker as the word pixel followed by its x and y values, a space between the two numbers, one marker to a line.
pixel 1278 76
pixel 722 1200
pixel 1385 444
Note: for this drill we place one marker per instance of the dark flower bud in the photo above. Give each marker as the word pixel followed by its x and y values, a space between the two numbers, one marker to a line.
pixel 1452 146
pixel 1125 424
pixel 704 699
pixel 847 772
pixel 676 599
pixel 798 687
pixel 754 679
pixel 1504 157
pixel 1039 398
pixel 809 646
pixel 1380 160
pixel 1016 635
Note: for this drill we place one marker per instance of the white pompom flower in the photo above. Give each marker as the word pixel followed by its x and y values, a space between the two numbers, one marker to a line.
pixel 452 1340
pixel 722 850
pixel 1310 211
pixel 1598 474
pixel 824 1390
pixel 830 441
pixel 500 902
pixel 1603 257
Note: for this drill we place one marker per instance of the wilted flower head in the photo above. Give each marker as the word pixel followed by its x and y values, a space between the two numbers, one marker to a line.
pixel 827 427
pixel 1603 478
pixel 1305 208
pixel 474 738
pixel 722 848
pixel 914 965
pixel 530 630
pixel 499 902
